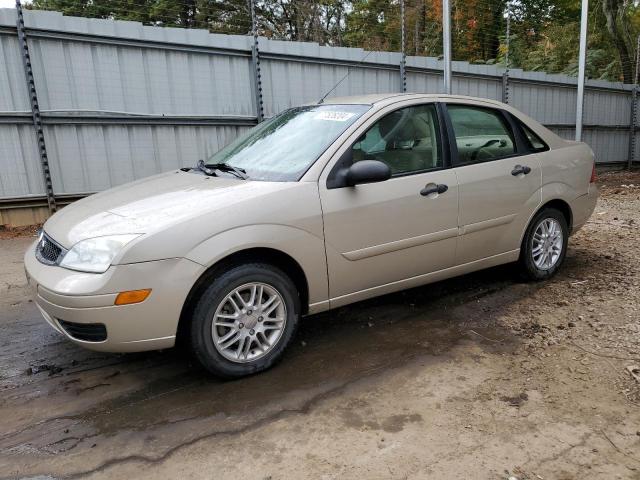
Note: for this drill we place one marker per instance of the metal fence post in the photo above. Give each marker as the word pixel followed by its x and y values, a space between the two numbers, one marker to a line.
pixel 446 44
pixel 403 61
pixel 634 109
pixel 505 75
pixel 632 127
pixel 505 87
pixel 582 60
pixel 255 62
pixel 35 108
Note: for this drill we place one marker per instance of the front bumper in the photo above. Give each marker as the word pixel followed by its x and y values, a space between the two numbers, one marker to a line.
pixel 86 298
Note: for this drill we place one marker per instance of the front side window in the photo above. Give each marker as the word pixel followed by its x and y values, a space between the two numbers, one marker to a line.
pixel 482 134
pixel 285 146
pixel 407 140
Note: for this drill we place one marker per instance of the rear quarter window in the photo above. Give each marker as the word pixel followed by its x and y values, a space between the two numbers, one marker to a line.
pixel 533 140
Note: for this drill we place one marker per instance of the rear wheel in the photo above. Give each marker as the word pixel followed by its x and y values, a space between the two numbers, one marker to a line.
pixel 245 320
pixel 544 245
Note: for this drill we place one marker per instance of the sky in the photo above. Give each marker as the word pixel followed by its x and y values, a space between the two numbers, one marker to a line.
pixel 7 3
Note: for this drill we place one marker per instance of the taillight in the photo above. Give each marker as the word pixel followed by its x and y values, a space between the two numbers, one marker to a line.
pixel 593 174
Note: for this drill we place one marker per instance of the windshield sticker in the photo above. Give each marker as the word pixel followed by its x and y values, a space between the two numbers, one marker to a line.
pixel 334 116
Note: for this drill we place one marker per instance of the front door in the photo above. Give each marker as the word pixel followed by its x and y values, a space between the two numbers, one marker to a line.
pixel 378 235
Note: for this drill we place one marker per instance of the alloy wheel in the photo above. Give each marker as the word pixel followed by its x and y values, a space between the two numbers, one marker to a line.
pixel 547 244
pixel 249 322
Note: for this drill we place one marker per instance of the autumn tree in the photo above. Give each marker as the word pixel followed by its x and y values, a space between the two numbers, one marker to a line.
pixel 543 33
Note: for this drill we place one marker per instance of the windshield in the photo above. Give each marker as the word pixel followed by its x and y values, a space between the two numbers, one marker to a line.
pixel 285 146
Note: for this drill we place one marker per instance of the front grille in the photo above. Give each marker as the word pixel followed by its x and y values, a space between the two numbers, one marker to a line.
pixel 48 251
pixel 88 332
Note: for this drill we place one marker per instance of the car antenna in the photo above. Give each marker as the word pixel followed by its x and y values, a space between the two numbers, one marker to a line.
pixel 343 78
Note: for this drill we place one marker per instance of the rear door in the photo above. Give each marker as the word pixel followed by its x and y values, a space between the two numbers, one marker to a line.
pixel 499 180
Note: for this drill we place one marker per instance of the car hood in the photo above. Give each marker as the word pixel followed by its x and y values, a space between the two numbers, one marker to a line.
pixel 151 204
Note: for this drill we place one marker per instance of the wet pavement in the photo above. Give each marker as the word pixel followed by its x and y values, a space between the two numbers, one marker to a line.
pixel 395 368
pixel 60 399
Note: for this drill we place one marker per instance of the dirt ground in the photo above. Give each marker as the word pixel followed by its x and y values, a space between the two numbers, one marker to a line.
pixel 480 377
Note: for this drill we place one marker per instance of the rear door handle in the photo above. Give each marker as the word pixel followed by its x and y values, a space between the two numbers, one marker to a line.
pixel 433 188
pixel 518 169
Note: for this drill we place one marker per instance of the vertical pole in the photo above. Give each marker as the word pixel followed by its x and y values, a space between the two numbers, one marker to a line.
pixel 446 44
pixel 508 37
pixel 632 127
pixel 634 109
pixel 505 75
pixel 35 109
pixel 581 67
pixel 505 87
pixel 255 62
pixel 636 80
pixel 403 61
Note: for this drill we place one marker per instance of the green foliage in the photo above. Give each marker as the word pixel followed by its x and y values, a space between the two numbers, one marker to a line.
pixel 543 33
pixel 225 16
pixel 374 25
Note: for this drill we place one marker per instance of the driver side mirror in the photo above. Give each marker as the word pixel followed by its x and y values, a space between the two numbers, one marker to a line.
pixel 347 173
pixel 367 171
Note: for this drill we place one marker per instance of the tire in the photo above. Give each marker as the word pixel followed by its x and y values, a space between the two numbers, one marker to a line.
pixel 532 266
pixel 249 320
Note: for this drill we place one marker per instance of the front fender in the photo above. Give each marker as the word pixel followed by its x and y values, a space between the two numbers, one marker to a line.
pixel 304 247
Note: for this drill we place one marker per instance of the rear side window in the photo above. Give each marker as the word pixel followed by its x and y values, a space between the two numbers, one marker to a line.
pixel 534 142
pixel 482 134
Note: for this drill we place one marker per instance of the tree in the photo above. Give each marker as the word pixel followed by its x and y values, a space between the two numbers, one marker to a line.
pixel 615 13
pixel 227 16
pixel 303 20
pixel 544 33
pixel 373 25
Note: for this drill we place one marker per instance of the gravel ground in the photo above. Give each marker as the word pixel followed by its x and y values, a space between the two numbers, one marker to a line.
pixel 477 377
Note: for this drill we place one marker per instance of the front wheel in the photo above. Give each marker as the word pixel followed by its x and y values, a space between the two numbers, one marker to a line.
pixel 544 245
pixel 244 320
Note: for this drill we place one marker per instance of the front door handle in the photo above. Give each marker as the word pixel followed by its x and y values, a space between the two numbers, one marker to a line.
pixel 434 188
pixel 520 169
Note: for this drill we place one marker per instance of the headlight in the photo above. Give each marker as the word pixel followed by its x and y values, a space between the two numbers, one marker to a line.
pixel 95 254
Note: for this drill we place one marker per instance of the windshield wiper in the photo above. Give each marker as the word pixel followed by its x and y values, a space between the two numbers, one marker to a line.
pixel 225 167
pixel 202 167
pixel 209 169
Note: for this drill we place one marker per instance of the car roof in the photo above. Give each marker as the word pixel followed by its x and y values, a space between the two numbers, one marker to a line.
pixel 369 99
pixel 378 99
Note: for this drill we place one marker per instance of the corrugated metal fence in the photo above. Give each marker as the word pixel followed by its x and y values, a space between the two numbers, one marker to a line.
pixel 120 101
